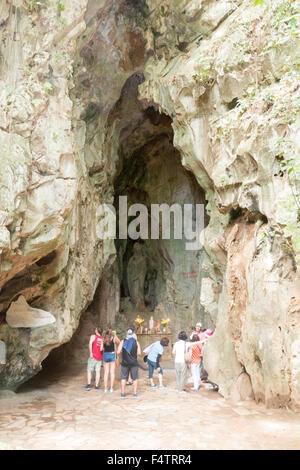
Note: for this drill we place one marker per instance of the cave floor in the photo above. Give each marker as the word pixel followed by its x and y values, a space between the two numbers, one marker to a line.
pixel 54 411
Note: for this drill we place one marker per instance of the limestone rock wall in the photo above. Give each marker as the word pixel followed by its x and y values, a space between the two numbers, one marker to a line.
pixel 226 73
pixel 233 94
pixel 48 224
pixel 59 150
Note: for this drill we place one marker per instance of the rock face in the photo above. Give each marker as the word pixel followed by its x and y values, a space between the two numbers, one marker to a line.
pixel 160 274
pixel 21 315
pixel 235 129
pixel 82 86
pixel 2 352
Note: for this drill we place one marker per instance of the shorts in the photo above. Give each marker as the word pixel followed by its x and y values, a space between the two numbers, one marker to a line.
pixel 134 372
pixel 109 357
pixel 93 364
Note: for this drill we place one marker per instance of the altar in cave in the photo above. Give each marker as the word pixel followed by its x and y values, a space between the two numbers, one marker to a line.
pixel 152 331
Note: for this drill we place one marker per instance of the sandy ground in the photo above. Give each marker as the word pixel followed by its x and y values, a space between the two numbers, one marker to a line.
pixel 55 412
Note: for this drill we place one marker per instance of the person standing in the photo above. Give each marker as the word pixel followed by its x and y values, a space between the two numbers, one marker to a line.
pixel 179 350
pixel 129 380
pixel 204 375
pixel 201 333
pixel 196 347
pixel 198 331
pixel 153 359
pixel 109 359
pixel 95 359
pixel 130 349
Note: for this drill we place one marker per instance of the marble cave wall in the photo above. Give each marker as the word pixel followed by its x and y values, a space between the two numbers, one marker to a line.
pixel 182 101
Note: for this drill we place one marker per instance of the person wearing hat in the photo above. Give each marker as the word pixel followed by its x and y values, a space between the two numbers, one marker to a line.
pixel 198 331
pixel 130 349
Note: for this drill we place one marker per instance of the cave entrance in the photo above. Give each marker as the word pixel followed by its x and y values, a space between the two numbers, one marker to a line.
pixel 157 277
pixel 150 277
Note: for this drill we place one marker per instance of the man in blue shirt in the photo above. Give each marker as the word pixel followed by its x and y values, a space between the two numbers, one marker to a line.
pixel 153 359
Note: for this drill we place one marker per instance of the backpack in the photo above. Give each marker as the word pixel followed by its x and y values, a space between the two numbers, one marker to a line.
pixel 127 358
pixel 187 354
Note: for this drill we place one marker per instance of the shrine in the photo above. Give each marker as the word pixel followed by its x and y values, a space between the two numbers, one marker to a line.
pixel 154 331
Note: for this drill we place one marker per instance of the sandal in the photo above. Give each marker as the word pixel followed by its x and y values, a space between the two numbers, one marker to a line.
pixel 129 383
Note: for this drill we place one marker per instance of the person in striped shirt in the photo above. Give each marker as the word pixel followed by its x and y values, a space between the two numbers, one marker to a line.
pixel 196 347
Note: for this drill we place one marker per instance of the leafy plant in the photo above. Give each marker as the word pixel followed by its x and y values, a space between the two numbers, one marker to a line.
pixel 204 73
pixel 181 131
pixel 35 5
pixel 289 164
pixel 61 5
pixel 48 87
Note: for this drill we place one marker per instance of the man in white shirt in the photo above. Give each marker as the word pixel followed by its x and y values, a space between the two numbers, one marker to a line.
pixel 179 350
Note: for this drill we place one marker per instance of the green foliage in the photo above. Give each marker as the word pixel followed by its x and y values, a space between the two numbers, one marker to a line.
pixel 289 161
pixel 268 99
pixel 270 235
pixel 35 5
pixel 48 87
pixel 36 102
pixel 140 6
pixel 61 5
pixel 204 72
pixel 62 21
pixel 91 112
pixel 222 131
pixel 285 23
pixel 181 132
pixel 60 57
pixel 290 164
pixel 138 11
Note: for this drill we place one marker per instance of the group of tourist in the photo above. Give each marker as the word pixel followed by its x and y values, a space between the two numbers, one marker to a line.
pixel 107 349
pixel 187 355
